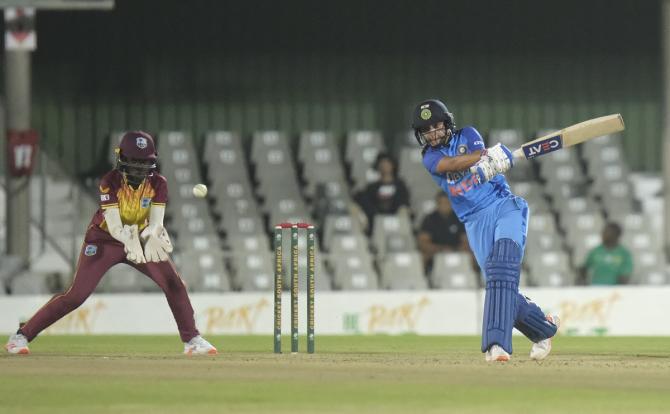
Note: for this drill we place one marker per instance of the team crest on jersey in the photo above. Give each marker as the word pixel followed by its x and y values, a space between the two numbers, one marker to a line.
pixel 141 142
pixel 90 250
pixel 104 197
pixel 426 114
pixel 146 201
pixel 462 149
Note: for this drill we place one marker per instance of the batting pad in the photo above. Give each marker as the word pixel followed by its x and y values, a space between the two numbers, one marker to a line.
pixel 502 285
pixel 531 322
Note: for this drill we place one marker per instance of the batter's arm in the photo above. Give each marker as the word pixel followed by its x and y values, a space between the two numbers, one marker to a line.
pixel 458 163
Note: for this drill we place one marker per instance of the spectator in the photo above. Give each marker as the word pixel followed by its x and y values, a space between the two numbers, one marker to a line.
pixel 610 263
pixel 387 195
pixel 441 231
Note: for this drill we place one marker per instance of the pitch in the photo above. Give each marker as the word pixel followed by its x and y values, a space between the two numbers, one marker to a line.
pixel 352 374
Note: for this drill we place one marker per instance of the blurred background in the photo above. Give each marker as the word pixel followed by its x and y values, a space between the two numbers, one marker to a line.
pixel 282 109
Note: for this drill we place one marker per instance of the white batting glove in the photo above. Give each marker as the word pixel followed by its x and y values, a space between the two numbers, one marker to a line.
pixel 157 244
pixel 501 157
pixel 495 160
pixel 132 245
pixel 484 170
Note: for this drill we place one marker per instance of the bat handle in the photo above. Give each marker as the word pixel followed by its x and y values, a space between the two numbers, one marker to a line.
pixel 518 154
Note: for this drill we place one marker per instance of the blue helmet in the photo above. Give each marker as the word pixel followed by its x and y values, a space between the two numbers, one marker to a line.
pixel 430 112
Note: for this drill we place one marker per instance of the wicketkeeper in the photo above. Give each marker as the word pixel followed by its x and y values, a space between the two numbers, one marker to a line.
pixel 127 228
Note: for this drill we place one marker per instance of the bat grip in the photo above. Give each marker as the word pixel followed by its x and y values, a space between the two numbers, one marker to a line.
pixel 518 154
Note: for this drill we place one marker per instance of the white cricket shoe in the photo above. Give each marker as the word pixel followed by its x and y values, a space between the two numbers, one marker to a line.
pixel 541 350
pixel 17 344
pixel 497 354
pixel 199 346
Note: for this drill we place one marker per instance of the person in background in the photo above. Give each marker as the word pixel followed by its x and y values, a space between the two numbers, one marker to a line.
pixel 607 264
pixel 387 195
pixel 441 231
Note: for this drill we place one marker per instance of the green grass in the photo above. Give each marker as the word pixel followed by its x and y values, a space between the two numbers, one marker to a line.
pixel 352 374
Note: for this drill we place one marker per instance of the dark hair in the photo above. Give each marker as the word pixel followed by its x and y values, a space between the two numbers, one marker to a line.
pixel 614 226
pixel 386 156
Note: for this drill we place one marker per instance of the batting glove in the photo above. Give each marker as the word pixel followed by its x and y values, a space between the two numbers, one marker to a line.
pixel 501 157
pixel 484 170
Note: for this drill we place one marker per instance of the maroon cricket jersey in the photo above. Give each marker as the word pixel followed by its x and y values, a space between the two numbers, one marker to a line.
pixel 134 204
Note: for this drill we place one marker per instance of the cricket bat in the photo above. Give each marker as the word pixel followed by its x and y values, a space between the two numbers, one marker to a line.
pixel 572 135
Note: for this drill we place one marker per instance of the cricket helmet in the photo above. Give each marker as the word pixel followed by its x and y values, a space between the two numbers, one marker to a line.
pixel 430 112
pixel 136 156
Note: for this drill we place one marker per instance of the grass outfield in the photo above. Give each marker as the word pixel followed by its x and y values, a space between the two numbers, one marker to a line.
pixel 352 374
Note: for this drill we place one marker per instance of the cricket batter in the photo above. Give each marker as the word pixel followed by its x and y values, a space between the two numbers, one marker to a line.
pixel 127 228
pixel 496 222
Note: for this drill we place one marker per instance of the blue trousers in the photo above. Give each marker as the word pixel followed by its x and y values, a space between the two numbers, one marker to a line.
pixel 506 218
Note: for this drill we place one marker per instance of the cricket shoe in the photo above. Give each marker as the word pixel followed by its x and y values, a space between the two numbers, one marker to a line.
pixel 199 346
pixel 497 354
pixel 541 350
pixel 17 344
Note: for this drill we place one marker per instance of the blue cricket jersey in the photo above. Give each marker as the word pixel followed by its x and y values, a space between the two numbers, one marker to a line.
pixel 467 197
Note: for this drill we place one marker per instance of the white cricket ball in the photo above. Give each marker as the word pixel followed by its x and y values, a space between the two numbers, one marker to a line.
pixel 200 190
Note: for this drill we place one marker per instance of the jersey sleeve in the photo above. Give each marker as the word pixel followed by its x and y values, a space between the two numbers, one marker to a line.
pixel 473 139
pixel 161 189
pixel 627 265
pixel 430 160
pixel 107 191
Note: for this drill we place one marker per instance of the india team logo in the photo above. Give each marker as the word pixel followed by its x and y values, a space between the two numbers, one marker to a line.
pixel 145 202
pixel 141 142
pixel 90 250
pixel 426 114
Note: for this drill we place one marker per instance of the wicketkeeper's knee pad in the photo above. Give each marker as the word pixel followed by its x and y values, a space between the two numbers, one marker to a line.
pixel 531 321
pixel 503 267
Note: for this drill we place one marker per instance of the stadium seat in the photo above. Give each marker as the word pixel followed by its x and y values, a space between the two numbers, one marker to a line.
pixel 403 271
pixel 453 271
pixel 254 272
pixel 550 268
pixel 204 271
pixel 354 272
pixel 123 278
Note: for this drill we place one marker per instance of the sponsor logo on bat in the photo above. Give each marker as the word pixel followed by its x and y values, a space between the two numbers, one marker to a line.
pixel 543 147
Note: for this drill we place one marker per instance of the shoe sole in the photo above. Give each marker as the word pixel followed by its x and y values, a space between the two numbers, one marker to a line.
pixel 210 352
pixel 499 358
pixel 22 351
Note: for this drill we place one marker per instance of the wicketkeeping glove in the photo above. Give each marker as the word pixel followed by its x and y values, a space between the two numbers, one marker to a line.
pixel 132 245
pixel 157 245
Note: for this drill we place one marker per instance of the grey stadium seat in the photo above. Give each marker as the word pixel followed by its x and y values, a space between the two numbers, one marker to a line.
pixel 403 271
pixel 453 271
pixel 204 271
pixel 122 278
pixel 550 269
pixel 354 272
pixel 392 233
pixel 254 272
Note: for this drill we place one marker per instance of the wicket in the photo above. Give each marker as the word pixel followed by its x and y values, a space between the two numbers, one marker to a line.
pixel 278 268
